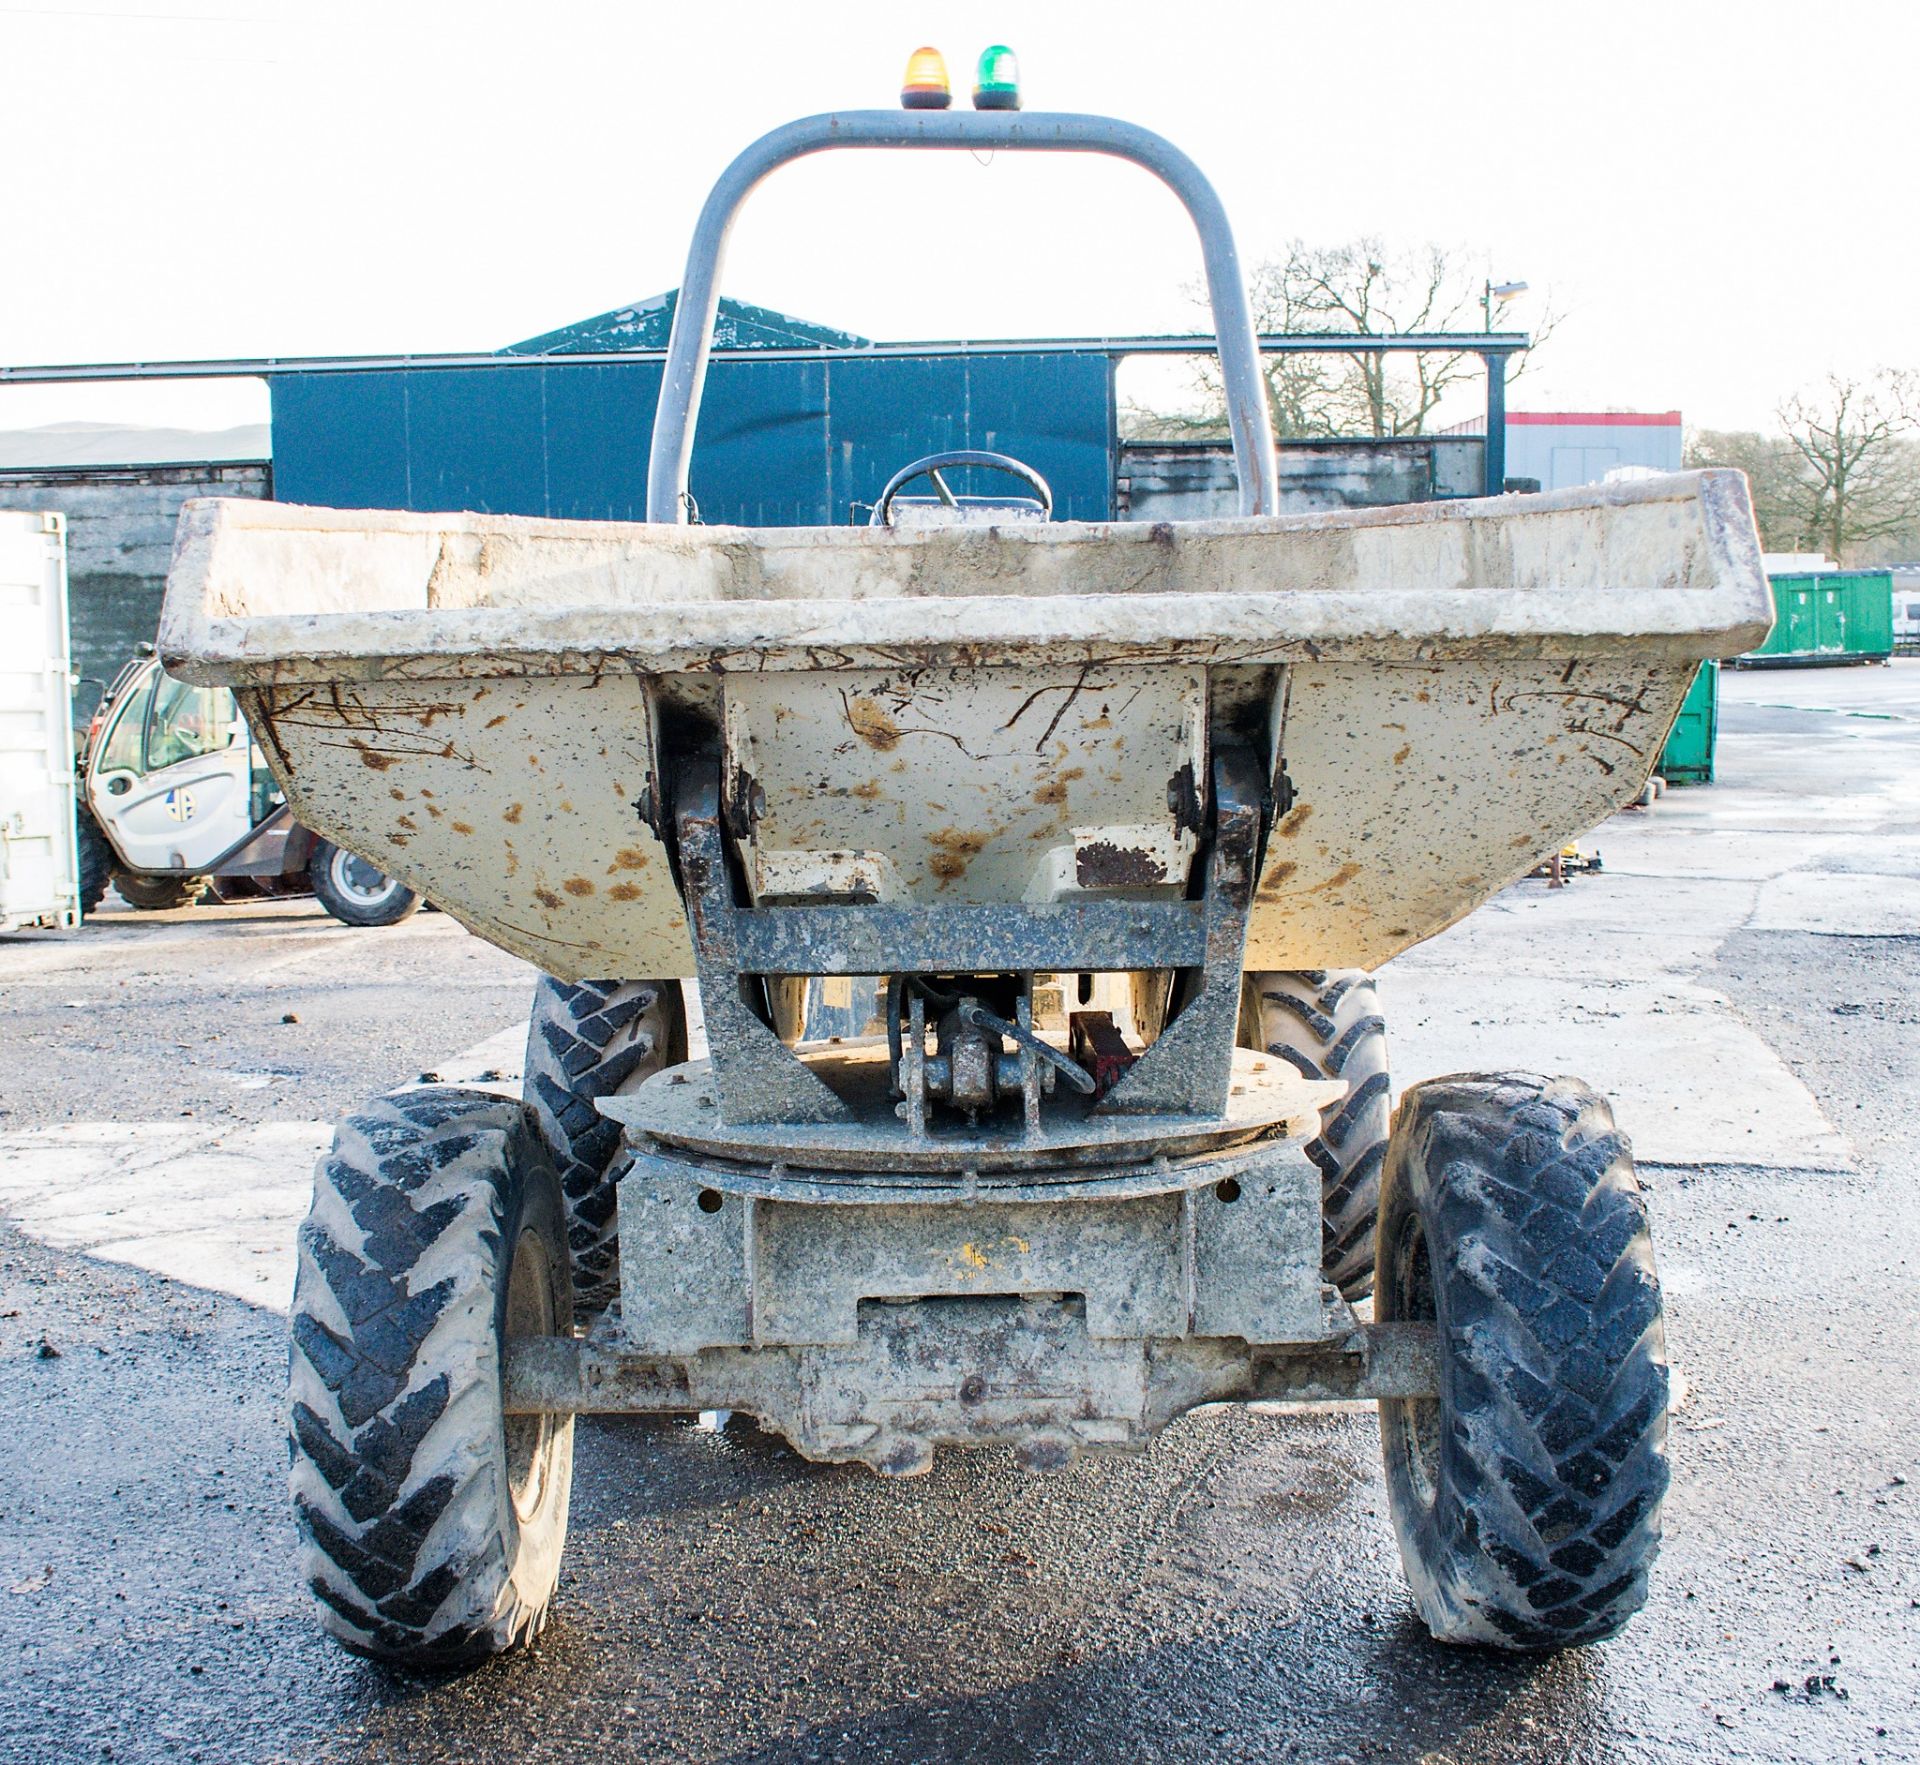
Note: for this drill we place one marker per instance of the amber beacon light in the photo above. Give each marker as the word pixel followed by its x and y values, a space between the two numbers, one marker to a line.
pixel 926 87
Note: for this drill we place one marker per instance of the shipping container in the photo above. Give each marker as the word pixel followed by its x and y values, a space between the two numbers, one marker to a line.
pixel 1832 616
pixel 39 859
pixel 1906 610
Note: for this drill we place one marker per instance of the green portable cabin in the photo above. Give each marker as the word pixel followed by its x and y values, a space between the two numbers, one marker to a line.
pixel 1829 616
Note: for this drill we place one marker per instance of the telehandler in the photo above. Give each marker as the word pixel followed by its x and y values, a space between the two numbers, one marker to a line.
pixel 176 800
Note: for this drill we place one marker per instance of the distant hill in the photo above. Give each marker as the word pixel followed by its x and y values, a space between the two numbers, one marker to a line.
pixel 122 444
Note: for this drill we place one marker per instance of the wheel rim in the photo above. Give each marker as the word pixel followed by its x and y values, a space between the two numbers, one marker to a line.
pixel 1417 1418
pixel 360 882
pixel 529 1313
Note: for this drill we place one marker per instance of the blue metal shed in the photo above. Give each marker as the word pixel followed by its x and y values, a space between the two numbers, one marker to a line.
pixel 806 437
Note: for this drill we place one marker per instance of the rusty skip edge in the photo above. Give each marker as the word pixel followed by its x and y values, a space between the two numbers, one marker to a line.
pixel 240 619
pixel 1298 627
pixel 559 1375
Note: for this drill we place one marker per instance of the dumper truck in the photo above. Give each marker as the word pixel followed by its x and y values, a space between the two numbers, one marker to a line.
pixel 1115 821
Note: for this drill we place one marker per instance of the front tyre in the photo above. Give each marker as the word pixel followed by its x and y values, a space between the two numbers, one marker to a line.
pixel 1526 1496
pixel 96 862
pixel 431 1522
pixel 356 892
pixel 158 894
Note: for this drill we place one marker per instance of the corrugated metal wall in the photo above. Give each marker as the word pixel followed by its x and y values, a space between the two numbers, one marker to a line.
pixel 780 444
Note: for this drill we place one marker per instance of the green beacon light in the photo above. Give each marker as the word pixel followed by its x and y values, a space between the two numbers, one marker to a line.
pixel 996 86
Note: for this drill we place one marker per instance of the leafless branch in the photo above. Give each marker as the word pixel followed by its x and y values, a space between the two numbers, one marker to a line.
pixel 1842 472
pixel 1365 289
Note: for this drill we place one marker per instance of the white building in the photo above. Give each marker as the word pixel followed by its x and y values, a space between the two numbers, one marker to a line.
pixel 1564 448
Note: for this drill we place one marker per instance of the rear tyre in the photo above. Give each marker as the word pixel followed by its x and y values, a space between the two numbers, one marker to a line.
pixel 157 894
pixel 431 1523
pixel 354 891
pixel 1327 1023
pixel 96 862
pixel 1526 1496
pixel 588 1040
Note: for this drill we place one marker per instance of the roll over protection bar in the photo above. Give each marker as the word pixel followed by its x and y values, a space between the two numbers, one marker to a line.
pixel 1030 132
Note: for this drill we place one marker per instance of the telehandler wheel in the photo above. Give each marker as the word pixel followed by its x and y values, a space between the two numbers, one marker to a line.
pixel 587 1040
pixel 1327 1023
pixel 431 1523
pixel 354 891
pixel 156 894
pixel 1526 1496
pixel 96 862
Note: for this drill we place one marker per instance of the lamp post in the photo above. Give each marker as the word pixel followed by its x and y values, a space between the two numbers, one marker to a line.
pixel 1500 291
pixel 1495 473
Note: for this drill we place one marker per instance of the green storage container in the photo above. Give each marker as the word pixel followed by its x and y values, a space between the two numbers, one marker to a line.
pixel 1688 756
pixel 1836 616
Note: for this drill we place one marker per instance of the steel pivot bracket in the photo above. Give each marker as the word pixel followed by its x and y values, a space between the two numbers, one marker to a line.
pixel 756 1076
pixel 1188 1070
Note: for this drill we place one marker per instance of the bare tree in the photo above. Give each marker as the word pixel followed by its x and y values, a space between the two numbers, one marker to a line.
pixel 1856 469
pixel 1141 422
pixel 1362 288
pixel 1843 471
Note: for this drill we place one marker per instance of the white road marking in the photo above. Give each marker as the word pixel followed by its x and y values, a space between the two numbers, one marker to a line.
pixel 213 1207
pixel 1846 903
pixel 1691 1084
pixel 1601 978
pixel 28 955
pixel 496 1064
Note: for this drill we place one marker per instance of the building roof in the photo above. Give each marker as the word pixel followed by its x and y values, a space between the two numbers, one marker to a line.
pixel 1599 419
pixel 646 323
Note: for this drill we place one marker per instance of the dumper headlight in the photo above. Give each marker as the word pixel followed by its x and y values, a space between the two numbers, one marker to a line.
pixel 996 83
pixel 926 87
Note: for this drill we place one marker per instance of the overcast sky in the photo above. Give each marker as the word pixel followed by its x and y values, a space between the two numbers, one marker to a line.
pixel 1717 197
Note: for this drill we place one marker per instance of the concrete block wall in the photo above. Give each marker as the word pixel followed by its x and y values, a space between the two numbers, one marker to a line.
pixel 120 522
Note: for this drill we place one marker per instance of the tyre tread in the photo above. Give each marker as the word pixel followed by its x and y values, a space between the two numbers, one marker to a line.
pixel 587 1039
pixel 1554 1445
pixel 95 861
pixel 379 1453
pixel 1326 1023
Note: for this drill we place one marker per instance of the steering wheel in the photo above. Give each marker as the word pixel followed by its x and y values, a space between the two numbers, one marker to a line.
pixel 933 465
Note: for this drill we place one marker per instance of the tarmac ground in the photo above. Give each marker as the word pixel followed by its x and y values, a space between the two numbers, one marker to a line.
pixel 1743 976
